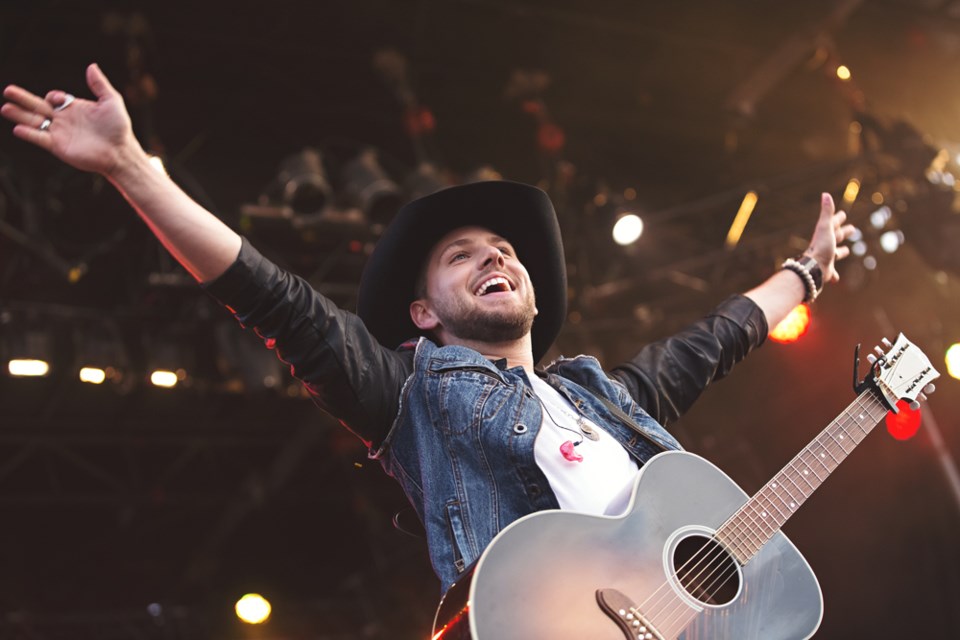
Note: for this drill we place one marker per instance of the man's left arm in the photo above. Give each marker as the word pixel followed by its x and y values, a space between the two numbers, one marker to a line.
pixel 667 376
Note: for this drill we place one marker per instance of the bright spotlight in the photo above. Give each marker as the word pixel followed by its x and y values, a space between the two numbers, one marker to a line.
pixel 253 608
pixel 93 375
pixel 880 217
pixel 28 368
pixel 953 360
pixel 890 241
pixel 843 72
pixel 627 229
pixel 165 379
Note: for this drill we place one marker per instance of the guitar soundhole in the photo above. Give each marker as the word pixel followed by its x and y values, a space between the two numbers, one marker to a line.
pixel 706 571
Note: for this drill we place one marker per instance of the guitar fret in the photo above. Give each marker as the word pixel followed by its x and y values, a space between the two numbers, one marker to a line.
pixel 762 516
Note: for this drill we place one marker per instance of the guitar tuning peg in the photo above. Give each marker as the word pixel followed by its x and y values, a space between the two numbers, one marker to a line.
pixel 922 396
pixel 914 406
pixel 879 351
pixel 886 343
pixel 930 388
pixel 872 359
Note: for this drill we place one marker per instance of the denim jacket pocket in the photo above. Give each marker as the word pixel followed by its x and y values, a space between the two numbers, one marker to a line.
pixel 463 393
pixel 458 537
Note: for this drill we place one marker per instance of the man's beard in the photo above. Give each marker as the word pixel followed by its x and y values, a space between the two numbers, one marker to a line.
pixel 485 325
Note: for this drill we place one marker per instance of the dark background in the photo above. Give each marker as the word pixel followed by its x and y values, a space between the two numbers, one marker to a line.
pixel 119 497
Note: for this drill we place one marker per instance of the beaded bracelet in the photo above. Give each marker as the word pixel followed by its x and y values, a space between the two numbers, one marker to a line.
pixel 809 272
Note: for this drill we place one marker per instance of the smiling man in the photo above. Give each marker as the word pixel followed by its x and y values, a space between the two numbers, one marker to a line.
pixel 462 297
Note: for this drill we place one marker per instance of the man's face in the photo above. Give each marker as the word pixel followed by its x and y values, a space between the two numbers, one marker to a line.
pixel 476 289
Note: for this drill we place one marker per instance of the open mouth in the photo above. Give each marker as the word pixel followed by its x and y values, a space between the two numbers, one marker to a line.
pixel 496 284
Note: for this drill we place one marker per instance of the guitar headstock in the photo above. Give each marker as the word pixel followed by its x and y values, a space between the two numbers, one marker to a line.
pixel 903 371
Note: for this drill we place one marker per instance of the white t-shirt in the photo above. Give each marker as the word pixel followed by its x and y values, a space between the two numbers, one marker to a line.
pixel 601 482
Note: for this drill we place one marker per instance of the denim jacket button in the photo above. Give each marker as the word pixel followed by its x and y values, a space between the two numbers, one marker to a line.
pixel 534 490
pixel 520 428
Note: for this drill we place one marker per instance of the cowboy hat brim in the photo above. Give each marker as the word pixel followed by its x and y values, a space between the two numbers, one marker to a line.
pixel 521 214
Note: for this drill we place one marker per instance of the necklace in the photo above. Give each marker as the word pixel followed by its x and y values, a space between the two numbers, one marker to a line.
pixel 568 448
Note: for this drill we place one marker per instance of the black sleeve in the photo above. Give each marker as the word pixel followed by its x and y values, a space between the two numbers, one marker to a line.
pixel 349 374
pixel 666 377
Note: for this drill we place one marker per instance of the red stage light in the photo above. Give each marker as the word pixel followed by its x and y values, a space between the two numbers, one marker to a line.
pixel 793 326
pixel 903 425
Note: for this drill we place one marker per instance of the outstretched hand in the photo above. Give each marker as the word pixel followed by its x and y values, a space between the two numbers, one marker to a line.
pixel 87 134
pixel 828 236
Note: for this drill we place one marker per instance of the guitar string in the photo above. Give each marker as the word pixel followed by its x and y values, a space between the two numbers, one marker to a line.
pixel 708 552
pixel 680 607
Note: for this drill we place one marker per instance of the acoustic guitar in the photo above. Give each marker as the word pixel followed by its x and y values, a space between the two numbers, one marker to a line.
pixel 693 557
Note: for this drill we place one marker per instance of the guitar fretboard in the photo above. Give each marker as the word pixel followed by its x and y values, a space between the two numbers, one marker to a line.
pixel 764 514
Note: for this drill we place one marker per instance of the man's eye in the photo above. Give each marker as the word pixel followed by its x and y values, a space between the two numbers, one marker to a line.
pixel 458 256
pixel 507 251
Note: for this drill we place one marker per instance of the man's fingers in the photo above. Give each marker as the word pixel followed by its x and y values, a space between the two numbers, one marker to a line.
pixel 19 115
pixel 842 252
pixel 33 136
pixel 826 205
pixel 27 101
pixel 98 82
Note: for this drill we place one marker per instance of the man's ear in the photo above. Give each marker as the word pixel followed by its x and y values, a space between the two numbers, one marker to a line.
pixel 423 317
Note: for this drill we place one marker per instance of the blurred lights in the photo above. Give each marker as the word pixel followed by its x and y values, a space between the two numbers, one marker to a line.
pixel 28 367
pixel 253 608
pixel 157 163
pixel 851 191
pixel 869 263
pixel 859 248
pixel 166 379
pixel 628 229
pixel 791 328
pixel 904 424
pixel 740 220
pixel 952 359
pixel 843 72
pixel 890 241
pixel 880 217
pixel 92 375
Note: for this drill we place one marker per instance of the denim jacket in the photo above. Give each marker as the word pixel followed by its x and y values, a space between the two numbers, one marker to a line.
pixel 456 430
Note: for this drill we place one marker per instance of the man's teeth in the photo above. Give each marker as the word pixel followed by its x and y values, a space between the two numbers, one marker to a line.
pixel 492 282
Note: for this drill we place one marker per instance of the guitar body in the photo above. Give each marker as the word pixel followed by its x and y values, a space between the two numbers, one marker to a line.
pixel 540 576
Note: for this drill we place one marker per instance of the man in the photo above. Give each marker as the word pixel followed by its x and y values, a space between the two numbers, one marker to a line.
pixel 476 436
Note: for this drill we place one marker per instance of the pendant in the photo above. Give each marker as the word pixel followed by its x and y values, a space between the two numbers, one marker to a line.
pixel 588 431
pixel 569 452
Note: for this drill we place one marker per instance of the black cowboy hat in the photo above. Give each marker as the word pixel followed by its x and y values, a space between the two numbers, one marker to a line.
pixel 521 214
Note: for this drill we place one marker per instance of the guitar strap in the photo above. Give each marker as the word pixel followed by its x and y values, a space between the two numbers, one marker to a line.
pixel 626 419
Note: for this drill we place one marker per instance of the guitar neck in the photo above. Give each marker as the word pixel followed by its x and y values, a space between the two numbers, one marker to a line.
pixel 765 513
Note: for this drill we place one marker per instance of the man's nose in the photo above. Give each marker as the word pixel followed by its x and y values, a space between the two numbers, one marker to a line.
pixel 493 255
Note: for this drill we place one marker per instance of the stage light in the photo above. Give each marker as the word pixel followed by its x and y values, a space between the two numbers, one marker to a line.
pixel 880 217
pixel 791 328
pixel 303 182
pixel 253 608
pixel 368 185
pixel 851 191
pixel 28 368
pixel 627 229
pixel 869 263
pixel 92 375
pixel 166 379
pixel 952 359
pixel 157 163
pixel 890 241
pixel 29 352
pixel 843 72
pixel 904 424
pixel 740 220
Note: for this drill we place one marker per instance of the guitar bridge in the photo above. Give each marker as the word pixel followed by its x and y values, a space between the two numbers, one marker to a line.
pixel 622 610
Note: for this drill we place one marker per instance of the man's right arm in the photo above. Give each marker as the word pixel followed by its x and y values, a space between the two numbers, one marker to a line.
pixel 97 136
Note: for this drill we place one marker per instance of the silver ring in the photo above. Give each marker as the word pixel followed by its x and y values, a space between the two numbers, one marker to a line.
pixel 45 124
pixel 67 101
